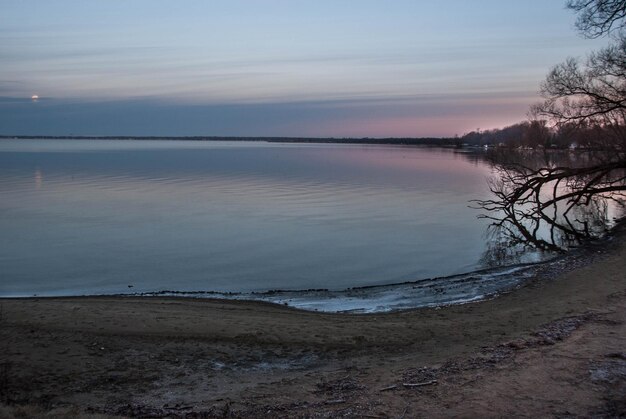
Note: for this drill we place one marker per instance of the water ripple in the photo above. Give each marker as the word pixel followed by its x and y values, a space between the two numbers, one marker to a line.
pixel 94 218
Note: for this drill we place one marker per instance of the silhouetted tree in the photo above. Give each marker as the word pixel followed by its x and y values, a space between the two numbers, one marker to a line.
pixel 599 17
pixel 591 94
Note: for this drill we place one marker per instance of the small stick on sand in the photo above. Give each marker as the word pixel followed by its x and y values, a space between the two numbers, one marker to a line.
pixel 177 407
pixel 425 383
pixel 338 401
pixel 391 387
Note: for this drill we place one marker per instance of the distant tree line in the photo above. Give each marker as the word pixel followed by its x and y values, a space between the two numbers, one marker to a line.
pixel 584 100
pixel 538 134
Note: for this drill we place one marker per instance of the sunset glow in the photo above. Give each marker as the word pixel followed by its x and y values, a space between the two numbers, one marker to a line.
pixel 275 68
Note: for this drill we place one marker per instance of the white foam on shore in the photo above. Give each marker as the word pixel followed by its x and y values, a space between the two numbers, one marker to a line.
pixel 434 292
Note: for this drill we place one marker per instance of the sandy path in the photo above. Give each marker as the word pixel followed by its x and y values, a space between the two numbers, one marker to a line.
pixel 168 356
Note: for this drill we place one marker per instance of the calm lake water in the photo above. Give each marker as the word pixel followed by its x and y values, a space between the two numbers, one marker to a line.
pixel 90 217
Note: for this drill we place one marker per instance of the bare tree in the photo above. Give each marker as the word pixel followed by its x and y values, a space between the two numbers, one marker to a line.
pixel 590 94
pixel 599 17
pixel 593 92
pixel 589 98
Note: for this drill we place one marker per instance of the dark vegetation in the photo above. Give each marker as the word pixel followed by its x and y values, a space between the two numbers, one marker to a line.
pixel 537 134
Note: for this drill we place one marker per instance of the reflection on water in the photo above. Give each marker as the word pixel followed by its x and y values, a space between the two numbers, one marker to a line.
pixel 83 217
pixel 539 220
pixel 511 240
pixel 38 179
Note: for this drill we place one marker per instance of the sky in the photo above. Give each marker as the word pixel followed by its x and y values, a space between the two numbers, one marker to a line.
pixel 323 68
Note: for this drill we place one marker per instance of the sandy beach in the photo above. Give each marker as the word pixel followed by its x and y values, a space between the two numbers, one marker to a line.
pixel 555 347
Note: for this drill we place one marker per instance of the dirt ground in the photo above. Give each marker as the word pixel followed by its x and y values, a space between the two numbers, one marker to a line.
pixel 553 348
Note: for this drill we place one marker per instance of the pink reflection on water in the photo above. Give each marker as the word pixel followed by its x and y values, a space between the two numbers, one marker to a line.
pixel 38 179
pixel 404 159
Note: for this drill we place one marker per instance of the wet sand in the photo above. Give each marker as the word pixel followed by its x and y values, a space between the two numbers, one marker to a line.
pixel 555 347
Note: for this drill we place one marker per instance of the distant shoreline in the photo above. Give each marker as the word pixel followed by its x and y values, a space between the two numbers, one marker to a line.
pixel 440 142
pixel 430 141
